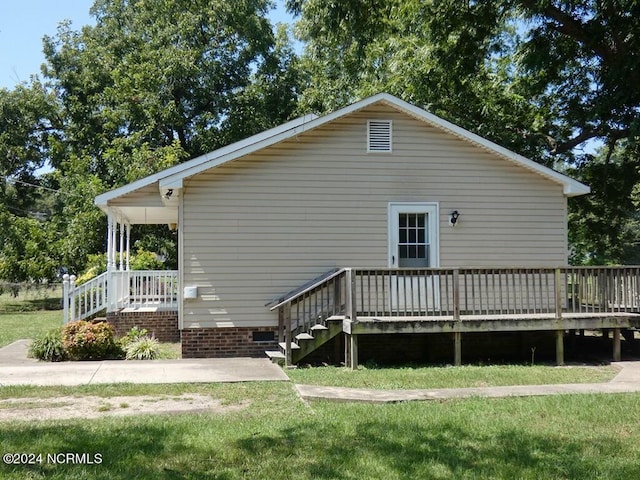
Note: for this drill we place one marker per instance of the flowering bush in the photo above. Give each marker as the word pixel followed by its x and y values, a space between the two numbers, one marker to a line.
pixel 84 340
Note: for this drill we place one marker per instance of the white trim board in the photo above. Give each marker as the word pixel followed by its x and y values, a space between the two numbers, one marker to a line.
pixel 173 177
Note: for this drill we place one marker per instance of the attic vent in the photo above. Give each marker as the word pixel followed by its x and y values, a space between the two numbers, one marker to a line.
pixel 379 136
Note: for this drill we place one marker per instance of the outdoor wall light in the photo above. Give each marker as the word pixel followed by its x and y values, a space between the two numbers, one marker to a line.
pixel 453 218
pixel 168 194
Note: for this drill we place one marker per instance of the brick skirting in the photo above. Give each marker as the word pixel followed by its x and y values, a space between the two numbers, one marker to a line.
pixel 163 325
pixel 225 342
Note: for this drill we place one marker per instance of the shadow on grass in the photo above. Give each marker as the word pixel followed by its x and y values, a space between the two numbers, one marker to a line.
pixel 314 447
pixel 33 305
pixel 378 449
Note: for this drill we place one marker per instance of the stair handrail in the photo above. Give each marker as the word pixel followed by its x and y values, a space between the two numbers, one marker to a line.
pixel 82 301
pixel 304 289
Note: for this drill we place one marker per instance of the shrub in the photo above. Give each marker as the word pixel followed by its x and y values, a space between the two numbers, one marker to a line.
pixel 132 335
pixel 90 341
pixel 143 348
pixel 48 347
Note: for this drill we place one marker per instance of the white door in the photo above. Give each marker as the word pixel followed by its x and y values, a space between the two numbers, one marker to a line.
pixel 413 243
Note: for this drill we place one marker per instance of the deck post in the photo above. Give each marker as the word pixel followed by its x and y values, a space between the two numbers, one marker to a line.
pixel 280 325
pixel 287 333
pixel 353 352
pixel 557 285
pixel 352 304
pixel 559 347
pixel 616 345
pixel 457 348
pixel 456 294
pixel 457 336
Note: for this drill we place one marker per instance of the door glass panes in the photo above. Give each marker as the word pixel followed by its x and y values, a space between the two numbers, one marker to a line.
pixel 413 240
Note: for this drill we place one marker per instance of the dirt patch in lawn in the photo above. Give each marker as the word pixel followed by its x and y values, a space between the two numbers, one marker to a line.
pixel 62 408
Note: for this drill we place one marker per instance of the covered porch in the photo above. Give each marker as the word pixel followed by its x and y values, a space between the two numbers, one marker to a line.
pixel 121 289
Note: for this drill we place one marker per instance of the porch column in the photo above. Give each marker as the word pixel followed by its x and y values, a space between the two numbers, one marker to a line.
pixel 121 225
pixel 559 347
pixel 128 244
pixel 110 243
pixel 616 345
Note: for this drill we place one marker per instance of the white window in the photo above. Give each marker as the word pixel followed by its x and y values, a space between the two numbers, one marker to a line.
pixel 379 136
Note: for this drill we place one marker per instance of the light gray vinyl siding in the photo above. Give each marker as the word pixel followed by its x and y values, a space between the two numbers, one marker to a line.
pixel 262 225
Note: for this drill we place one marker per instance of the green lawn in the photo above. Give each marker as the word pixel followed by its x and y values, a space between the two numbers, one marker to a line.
pixel 30 299
pixel 277 436
pixel 450 377
pixel 14 326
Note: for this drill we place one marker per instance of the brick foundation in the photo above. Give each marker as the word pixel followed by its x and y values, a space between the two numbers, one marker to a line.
pixel 225 342
pixel 162 325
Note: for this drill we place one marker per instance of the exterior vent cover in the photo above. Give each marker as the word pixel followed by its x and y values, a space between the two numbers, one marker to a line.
pixel 379 136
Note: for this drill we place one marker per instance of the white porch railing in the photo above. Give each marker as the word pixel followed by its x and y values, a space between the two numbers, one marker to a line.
pixel 113 291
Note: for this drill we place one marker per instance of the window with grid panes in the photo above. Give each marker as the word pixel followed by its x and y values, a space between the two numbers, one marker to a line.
pixel 413 240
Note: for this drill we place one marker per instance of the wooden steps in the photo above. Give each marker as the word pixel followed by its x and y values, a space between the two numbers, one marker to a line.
pixel 307 342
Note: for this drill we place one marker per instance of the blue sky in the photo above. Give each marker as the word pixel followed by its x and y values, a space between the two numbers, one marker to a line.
pixel 23 23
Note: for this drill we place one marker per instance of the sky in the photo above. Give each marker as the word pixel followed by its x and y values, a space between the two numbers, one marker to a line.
pixel 23 24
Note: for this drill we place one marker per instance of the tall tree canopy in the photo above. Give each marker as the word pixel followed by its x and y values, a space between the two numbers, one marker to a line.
pixel 543 78
pixel 151 84
pixel 155 82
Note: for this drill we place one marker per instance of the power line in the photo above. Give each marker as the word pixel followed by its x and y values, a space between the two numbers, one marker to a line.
pixel 13 180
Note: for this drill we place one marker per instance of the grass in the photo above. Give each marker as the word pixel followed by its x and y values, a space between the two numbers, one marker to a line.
pixel 169 351
pixel 449 377
pixel 30 299
pixel 14 326
pixel 278 436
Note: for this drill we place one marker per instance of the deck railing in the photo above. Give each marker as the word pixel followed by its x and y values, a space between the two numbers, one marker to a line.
pixel 496 291
pixel 456 293
pixel 113 291
pixel 82 301
pixel 144 289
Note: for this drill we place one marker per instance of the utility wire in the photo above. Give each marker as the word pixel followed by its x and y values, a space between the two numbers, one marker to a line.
pixel 13 180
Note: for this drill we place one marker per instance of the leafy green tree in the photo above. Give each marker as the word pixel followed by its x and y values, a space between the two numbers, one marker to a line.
pixel 540 77
pixel 151 84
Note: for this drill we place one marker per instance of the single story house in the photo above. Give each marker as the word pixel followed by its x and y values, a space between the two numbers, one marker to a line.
pixel 273 229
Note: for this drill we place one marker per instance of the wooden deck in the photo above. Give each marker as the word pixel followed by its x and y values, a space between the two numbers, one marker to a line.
pixel 491 323
pixel 459 301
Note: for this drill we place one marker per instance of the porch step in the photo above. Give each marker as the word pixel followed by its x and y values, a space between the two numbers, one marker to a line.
pixel 304 336
pixel 318 327
pixel 294 346
pixel 336 318
pixel 276 356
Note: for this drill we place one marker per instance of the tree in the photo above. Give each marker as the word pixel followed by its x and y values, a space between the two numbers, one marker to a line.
pixel 540 77
pixel 152 84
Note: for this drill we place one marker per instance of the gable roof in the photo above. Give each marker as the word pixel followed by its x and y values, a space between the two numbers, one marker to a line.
pixel 172 177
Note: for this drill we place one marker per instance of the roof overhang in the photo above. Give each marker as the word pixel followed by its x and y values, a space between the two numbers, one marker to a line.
pixel 171 179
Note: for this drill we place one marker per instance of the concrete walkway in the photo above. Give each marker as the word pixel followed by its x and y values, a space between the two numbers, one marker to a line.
pixel 627 381
pixel 17 369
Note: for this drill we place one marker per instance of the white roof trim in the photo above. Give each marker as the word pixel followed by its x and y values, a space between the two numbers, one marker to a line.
pixel 102 200
pixel 571 187
pixel 172 177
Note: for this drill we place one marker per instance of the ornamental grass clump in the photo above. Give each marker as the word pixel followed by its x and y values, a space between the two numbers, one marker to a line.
pixel 143 348
pixel 84 340
pixel 137 344
pixel 48 347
